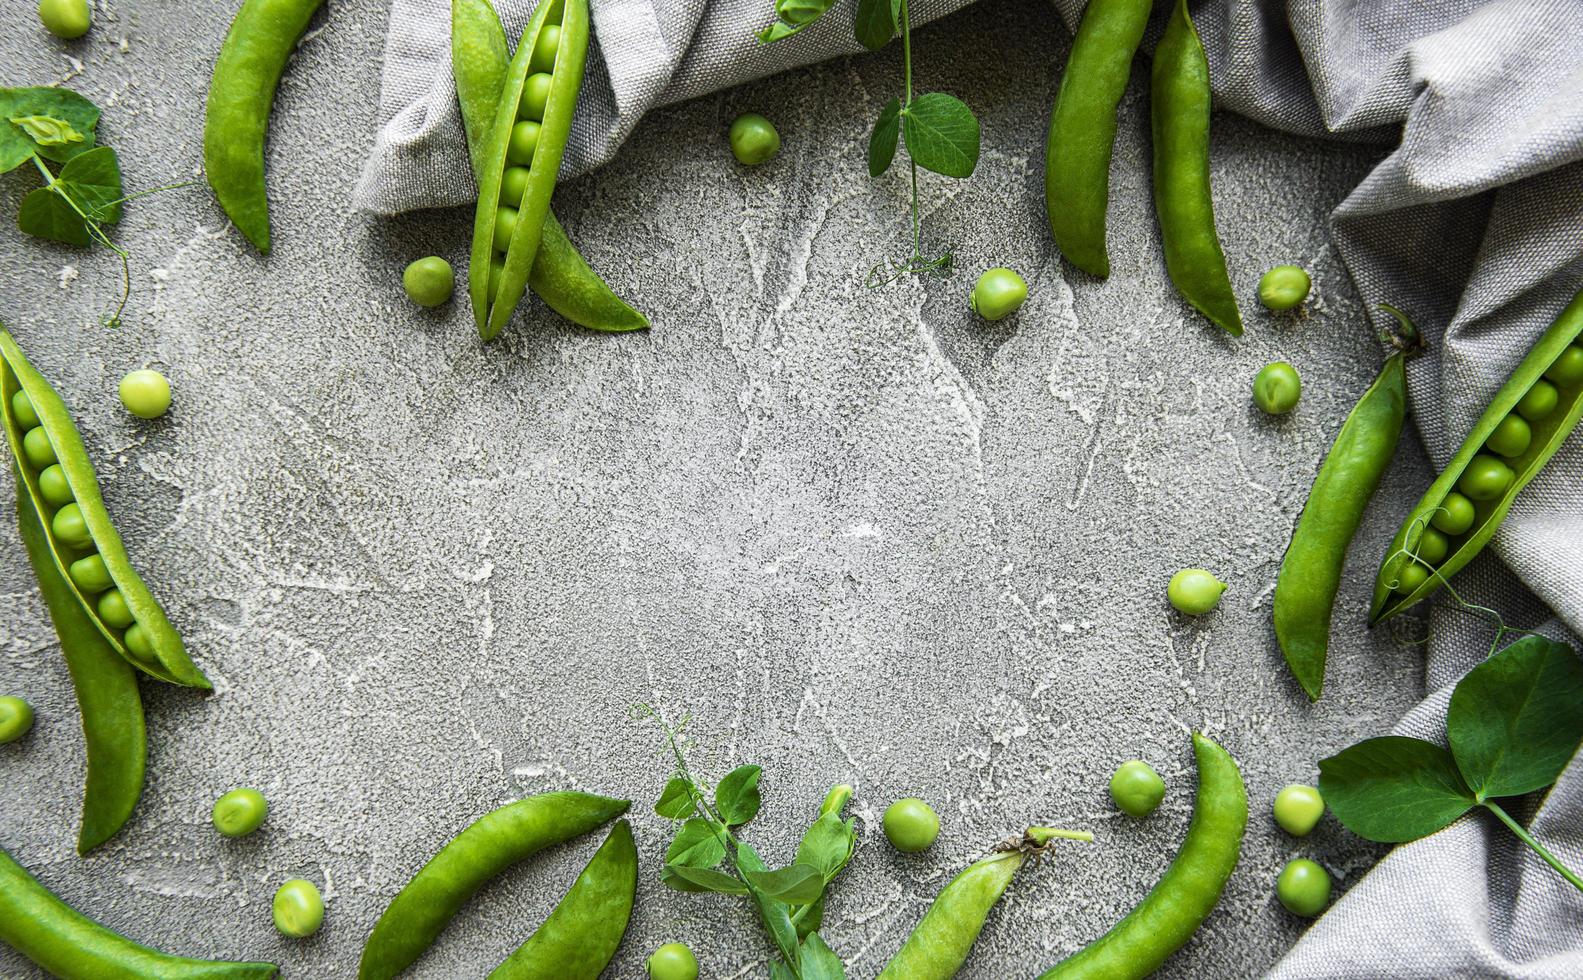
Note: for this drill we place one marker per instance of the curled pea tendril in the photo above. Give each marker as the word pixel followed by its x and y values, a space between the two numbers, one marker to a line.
pixel 1403 557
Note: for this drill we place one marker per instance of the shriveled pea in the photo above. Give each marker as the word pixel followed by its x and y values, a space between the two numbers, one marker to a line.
pixel 505 224
pixel 998 294
pixel 90 574
pixel 1194 591
pixel 1485 478
pixel 672 961
pixel 1303 887
pixel 1277 388
pixel 138 644
pixel 113 610
pixel 519 150
pixel 1511 437
pixel 22 408
pixel 66 19
pixel 429 281
pixel 911 825
pixel 535 95
pixel 1136 788
pixel 1284 287
pixel 513 184
pixel 145 393
pixel 16 718
pixel 37 448
pixel 52 485
pixel 298 909
pixel 1539 402
pixel 1433 546
pixel 1454 515
pixel 1298 808
pixel 753 139
pixel 1567 369
pixel 71 527
pixel 240 812
pixel 545 49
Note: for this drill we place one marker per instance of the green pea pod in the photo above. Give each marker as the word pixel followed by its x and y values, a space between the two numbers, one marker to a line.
pixel 488 846
pixel 1547 434
pixel 1182 200
pixel 241 94
pixel 1188 891
pixel 1083 129
pixel 66 943
pixel 581 936
pixel 164 657
pixel 1305 588
pixel 492 312
pixel 560 275
pixel 939 945
pixel 107 695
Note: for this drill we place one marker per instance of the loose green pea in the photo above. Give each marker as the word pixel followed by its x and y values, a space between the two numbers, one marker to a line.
pixel 1194 591
pixel 505 224
pixel 514 182
pixel 1567 369
pixel 1510 438
pixel 138 643
pixel 38 449
pixel 1298 809
pixel 1303 887
pixel 114 610
pixel 535 96
pixel 22 408
pixel 71 527
pixel 1485 478
pixel 753 139
pixel 90 574
pixel 673 961
pixel 429 281
pixel 145 393
pixel 240 812
pixel 544 51
pixel 911 825
pixel 519 150
pixel 1277 388
pixel 66 19
pixel 16 718
pixel 298 909
pixel 1539 401
pixel 1136 788
pixel 53 487
pixel 1454 515
pixel 497 268
pixel 1433 546
pixel 1284 287
pixel 1410 576
pixel 998 294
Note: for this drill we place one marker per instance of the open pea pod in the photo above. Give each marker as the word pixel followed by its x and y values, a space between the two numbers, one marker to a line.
pixel 57 477
pixel 1542 401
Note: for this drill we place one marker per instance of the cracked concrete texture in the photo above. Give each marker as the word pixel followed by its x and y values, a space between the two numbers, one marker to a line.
pixel 857 534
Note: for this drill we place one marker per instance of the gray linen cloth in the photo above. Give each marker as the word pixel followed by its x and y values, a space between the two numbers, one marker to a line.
pixel 1474 224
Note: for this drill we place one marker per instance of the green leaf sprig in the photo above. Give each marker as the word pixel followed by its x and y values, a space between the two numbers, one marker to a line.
pixel 938 131
pixel 707 855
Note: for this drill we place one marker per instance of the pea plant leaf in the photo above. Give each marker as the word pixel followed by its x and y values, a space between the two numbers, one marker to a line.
pixel 828 845
pixel 676 800
pixel 875 23
pixel 737 797
pixel 682 878
pixel 45 214
pixel 696 846
pixel 797 884
pixel 942 134
pixel 882 144
pixel 66 108
pixel 93 179
pixel 773 911
pixel 816 961
pixel 1394 789
pixel 1515 720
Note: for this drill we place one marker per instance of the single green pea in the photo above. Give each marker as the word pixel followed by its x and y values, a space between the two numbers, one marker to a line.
pixel 240 812
pixel 1510 438
pixel 1485 478
pixel 519 150
pixel 1194 591
pixel 1539 401
pixel 52 486
pixel 90 574
pixel 71 527
pixel 753 139
pixel 429 281
pixel 66 19
pixel 672 961
pixel 514 182
pixel 1410 577
pixel 911 825
pixel 145 394
pixel 298 909
pixel 1277 388
pixel 1298 809
pixel 1454 515
pixel 16 718
pixel 38 449
pixel 1567 369
pixel 998 294
pixel 497 268
pixel 114 610
pixel 1433 546
pixel 1284 287
pixel 138 643
pixel 1136 788
pixel 545 49
pixel 535 96
pixel 1303 887
pixel 24 412
pixel 505 224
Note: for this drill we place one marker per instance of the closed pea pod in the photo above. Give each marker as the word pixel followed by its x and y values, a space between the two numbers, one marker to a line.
pixel 1083 129
pixel 1473 494
pixel 580 938
pixel 1182 199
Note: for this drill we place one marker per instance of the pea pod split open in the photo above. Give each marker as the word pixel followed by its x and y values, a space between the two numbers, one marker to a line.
pixel 64 491
pixel 1525 423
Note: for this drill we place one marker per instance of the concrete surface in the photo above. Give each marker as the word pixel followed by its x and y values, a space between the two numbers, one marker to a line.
pixel 857 535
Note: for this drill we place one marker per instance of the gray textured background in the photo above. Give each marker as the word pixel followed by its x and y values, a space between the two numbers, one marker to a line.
pixel 860 535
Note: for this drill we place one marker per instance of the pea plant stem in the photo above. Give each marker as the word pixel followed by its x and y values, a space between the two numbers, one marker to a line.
pixel 98 235
pixel 1538 848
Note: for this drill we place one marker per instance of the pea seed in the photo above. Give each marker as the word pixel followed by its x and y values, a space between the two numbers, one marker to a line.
pixel 519 150
pixel 1136 788
pixel 505 224
pixel 1298 809
pixel 114 610
pixel 1567 369
pixel 16 718
pixel 145 394
pixel 1510 438
pixel 239 812
pixel 1194 591
pixel 1277 388
pixel 38 449
pixel 298 909
pixel 911 825
pixel 71 527
pixel 1303 887
pixel 1454 515
pixel 66 19
pixel 535 96
pixel 1485 478
pixel 1539 401
pixel 1411 576
pixel 1284 287
pixel 138 643
pixel 753 139
pixel 497 268
pixel 514 182
pixel 428 281
pixel 545 50
pixel 52 486
pixel 24 412
pixel 998 294
pixel 1433 546
pixel 90 574
pixel 672 961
